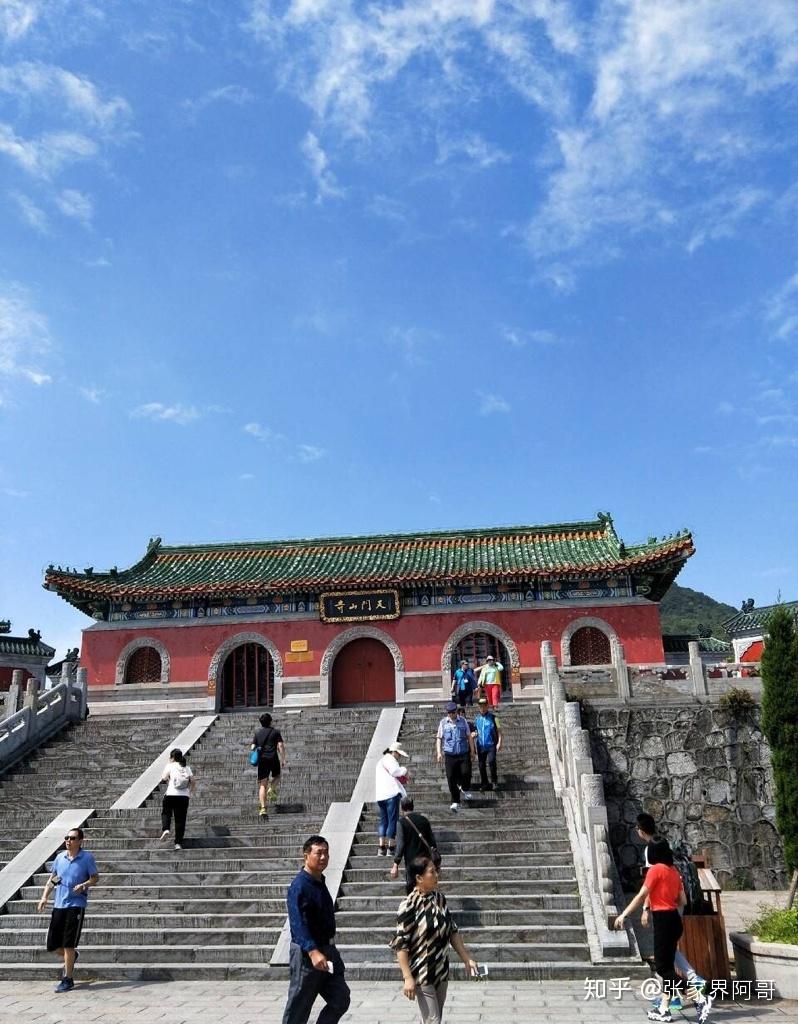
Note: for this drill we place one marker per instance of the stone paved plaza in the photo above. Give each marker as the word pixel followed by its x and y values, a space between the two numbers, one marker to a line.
pixel 249 1002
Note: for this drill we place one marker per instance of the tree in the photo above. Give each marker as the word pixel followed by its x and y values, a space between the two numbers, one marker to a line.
pixel 779 669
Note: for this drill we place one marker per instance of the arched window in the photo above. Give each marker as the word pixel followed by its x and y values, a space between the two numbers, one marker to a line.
pixel 143 666
pixel 590 646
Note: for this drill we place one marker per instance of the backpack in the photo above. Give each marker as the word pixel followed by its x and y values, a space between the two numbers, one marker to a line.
pixel 486 730
pixel 688 873
pixel 181 777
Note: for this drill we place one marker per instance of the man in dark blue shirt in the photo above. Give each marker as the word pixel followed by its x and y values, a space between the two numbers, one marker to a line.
pixel 315 964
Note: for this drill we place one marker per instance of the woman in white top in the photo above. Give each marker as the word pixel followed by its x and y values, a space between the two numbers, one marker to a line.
pixel 389 789
pixel 181 785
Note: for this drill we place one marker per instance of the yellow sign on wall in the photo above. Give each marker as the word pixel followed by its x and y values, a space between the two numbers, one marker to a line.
pixel 294 657
pixel 299 645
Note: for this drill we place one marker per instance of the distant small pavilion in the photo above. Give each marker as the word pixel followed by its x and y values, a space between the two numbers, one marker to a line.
pixel 748 628
pixel 27 653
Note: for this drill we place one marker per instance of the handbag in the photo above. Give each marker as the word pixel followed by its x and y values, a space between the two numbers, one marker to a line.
pixel 434 854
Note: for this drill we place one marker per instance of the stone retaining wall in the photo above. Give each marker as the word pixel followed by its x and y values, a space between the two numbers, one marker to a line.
pixel 704 777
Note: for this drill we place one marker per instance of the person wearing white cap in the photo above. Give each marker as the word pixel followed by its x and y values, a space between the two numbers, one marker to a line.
pixel 389 780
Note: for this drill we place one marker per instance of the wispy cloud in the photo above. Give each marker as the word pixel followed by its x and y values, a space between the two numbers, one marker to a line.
pixel 33 215
pixel 24 337
pixel 310 452
pixel 473 148
pixel 12 492
pixel 781 310
pixel 490 404
pixel 237 95
pixel 46 155
pixel 520 337
pixel 74 94
pixel 76 205
pixel 177 413
pixel 261 433
pixel 17 17
pixel 246 476
pixel 326 185
pixel 93 395
pixel 722 215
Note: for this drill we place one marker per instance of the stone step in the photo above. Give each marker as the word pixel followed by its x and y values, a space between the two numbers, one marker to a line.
pixel 481 889
pixel 526 952
pixel 454 872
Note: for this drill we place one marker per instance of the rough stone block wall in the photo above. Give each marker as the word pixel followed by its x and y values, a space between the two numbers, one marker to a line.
pixel 703 775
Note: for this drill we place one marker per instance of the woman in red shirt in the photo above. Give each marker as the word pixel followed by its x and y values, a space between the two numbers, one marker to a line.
pixel 665 895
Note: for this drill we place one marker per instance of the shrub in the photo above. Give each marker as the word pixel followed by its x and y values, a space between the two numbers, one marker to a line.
pixel 775 925
pixel 738 703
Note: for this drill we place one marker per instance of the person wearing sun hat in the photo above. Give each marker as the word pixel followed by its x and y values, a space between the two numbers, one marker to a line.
pixel 389 780
pixel 490 680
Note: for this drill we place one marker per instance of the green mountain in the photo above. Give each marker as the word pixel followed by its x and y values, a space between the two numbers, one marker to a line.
pixel 683 610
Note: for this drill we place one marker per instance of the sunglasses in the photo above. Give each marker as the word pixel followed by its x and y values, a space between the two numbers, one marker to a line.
pixel 72 839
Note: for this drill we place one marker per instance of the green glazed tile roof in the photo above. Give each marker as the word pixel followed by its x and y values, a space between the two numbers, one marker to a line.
pixel 757 618
pixel 505 554
pixel 24 645
pixel 676 643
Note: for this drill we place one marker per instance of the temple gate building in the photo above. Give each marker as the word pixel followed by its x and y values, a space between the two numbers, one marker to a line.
pixel 344 620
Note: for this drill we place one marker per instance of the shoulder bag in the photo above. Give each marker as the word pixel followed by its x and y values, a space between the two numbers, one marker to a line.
pixel 433 850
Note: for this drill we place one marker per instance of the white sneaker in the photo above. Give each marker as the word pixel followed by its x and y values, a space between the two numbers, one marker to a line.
pixel 465 794
pixel 178 846
pixel 164 835
pixel 454 807
pixel 704 1005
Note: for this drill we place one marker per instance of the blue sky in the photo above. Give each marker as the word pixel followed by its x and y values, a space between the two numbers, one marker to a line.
pixel 320 267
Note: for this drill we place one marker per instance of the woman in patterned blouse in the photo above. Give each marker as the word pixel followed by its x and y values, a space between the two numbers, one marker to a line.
pixel 424 929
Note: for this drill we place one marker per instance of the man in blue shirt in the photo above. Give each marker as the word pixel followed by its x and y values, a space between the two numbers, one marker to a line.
pixel 74 872
pixel 464 684
pixel 454 743
pixel 315 964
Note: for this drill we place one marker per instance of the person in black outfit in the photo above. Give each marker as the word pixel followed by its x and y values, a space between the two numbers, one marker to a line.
pixel 315 964
pixel 414 838
pixel 269 741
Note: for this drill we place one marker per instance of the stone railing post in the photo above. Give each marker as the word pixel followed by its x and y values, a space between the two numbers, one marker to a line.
pixel 31 693
pixel 545 652
pixel 697 674
pixel 14 693
pixel 621 669
pixel 582 765
pixel 572 723
pixel 82 685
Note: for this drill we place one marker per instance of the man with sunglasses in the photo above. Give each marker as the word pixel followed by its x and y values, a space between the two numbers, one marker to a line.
pixel 74 872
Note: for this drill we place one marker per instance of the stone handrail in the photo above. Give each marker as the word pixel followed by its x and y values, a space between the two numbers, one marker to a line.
pixel 582 793
pixel 41 715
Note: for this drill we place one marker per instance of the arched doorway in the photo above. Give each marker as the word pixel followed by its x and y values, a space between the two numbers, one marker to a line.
pixel 363 672
pixel 590 646
pixel 248 677
pixel 475 648
pixel 143 666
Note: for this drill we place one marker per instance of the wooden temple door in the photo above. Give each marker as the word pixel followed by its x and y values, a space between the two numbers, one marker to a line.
pixel 363 672
pixel 248 678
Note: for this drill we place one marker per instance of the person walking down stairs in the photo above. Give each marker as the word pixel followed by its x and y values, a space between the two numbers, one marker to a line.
pixel 414 838
pixel 181 784
pixel 454 745
pixel 389 788
pixel 489 743
pixel 74 872
pixel 268 741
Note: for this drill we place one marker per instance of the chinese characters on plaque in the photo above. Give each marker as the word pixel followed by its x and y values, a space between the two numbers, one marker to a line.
pixel 359 606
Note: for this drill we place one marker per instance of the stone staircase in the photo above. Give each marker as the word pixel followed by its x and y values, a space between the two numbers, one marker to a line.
pixel 507 872
pixel 85 765
pixel 216 908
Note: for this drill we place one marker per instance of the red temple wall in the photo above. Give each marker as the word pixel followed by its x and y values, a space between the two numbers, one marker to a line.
pixel 421 638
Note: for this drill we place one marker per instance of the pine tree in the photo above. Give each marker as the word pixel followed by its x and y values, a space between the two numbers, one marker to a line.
pixel 779 668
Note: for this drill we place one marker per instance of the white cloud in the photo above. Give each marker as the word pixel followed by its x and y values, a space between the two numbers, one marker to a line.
pixel 93 395
pixel 725 408
pixel 65 91
pixel 24 337
pixel 46 155
pixel 17 17
pixel 238 95
pixel 781 310
pixel 12 492
pixel 722 215
pixel 261 433
pixel 158 411
pixel 326 185
pixel 309 452
pixel 246 476
pixel 490 404
pixel 474 148
pixel 519 337
pixel 76 205
pixel 30 213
